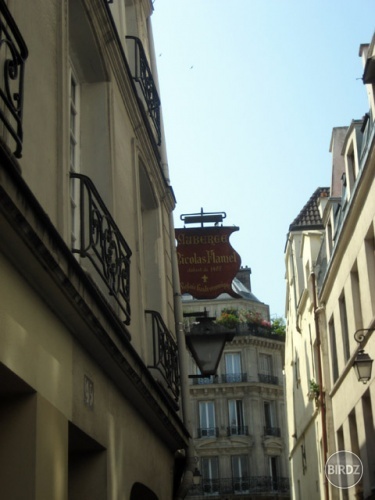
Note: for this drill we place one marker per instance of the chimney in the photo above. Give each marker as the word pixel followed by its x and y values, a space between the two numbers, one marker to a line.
pixel 244 276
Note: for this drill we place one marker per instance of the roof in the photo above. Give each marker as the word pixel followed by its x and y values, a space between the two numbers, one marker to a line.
pixel 309 217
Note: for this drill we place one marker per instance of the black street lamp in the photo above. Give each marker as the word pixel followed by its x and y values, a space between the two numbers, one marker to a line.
pixel 363 363
pixel 206 342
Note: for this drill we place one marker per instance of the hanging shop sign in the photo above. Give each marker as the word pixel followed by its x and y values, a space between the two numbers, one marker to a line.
pixel 207 262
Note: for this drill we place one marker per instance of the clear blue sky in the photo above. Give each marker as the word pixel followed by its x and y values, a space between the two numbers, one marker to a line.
pixel 250 92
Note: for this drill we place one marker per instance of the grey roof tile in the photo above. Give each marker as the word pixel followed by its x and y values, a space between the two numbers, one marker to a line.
pixel 309 217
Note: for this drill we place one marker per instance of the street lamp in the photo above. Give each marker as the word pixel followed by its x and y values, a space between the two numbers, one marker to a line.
pixel 197 477
pixel 206 341
pixel 363 363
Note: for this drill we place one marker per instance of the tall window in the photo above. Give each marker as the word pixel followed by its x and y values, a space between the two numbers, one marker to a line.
pixel 332 342
pixel 240 473
pixel 236 417
pixel 344 327
pixel 210 475
pixel 356 296
pixel 265 364
pixel 273 464
pixel 207 419
pixel 352 173
pixel 74 98
pixel 270 428
pixel 233 367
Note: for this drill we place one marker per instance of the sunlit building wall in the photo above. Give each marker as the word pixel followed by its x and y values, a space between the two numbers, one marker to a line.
pixel 90 403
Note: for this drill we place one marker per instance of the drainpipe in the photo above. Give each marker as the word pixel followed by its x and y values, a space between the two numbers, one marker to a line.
pixel 321 394
pixel 187 477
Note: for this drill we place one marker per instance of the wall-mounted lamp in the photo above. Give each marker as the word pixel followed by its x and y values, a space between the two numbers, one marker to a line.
pixel 197 477
pixel 363 363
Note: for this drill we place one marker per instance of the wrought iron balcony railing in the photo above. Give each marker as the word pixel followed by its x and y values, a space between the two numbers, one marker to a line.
pixel 268 379
pixel 142 75
pixel 238 430
pixel 213 379
pixel 230 378
pixel 241 485
pixel 101 241
pixel 165 353
pixel 208 432
pixel 13 54
pixel 272 431
pixel 227 378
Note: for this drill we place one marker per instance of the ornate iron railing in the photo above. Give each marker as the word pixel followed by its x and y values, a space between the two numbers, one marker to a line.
pixel 13 54
pixel 237 430
pixel 231 378
pixel 143 77
pixel 208 432
pixel 272 431
pixel 165 353
pixel 101 241
pixel 268 379
pixel 241 485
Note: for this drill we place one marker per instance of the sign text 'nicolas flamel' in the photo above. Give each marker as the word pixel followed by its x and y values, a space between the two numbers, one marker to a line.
pixel 207 262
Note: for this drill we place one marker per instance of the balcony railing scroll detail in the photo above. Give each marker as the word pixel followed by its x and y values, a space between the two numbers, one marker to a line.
pixel 272 431
pixel 13 54
pixel 241 485
pixel 142 75
pixel 233 378
pixel 237 430
pixel 101 241
pixel 165 353
pixel 265 378
pixel 205 432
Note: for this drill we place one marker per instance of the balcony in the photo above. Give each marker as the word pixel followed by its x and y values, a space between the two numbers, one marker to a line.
pixel 165 353
pixel 233 378
pixel 241 485
pixel 101 241
pixel 272 431
pixel 227 378
pixel 237 430
pixel 268 379
pixel 13 55
pixel 142 76
pixel 205 432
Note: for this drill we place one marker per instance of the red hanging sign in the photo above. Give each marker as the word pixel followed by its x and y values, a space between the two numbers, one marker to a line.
pixel 207 262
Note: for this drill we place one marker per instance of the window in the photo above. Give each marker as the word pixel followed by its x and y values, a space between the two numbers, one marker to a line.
pixel 270 428
pixel 265 369
pixel 333 348
pixel 352 174
pixel 273 464
pixel 240 473
pixel 74 153
pixel 370 264
pixel 265 364
pixel 233 367
pixel 236 417
pixel 344 327
pixel 356 297
pixel 207 419
pixel 210 475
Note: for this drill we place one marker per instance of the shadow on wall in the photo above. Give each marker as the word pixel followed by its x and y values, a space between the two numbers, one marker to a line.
pixel 141 492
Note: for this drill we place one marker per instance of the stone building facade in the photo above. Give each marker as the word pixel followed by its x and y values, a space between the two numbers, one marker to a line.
pixel 89 379
pixel 330 315
pixel 238 416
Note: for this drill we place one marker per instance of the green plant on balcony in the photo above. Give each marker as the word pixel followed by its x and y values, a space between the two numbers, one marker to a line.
pixel 278 327
pixel 229 318
pixel 314 390
pixel 255 321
